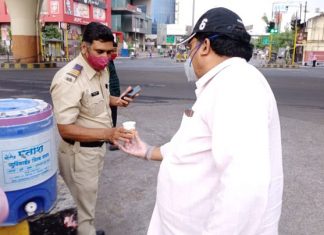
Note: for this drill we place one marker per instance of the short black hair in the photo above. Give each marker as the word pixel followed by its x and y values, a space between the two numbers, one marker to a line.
pixel 97 31
pixel 225 46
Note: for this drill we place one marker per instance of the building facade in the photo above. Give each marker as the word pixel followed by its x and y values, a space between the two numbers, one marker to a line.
pixel 131 18
pixel 315 39
pixel 5 28
pixel 163 12
pixel 69 17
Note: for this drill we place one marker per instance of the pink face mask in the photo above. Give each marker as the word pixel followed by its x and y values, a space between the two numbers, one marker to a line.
pixel 98 62
pixel 113 56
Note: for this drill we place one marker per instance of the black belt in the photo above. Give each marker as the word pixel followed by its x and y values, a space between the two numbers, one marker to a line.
pixel 86 144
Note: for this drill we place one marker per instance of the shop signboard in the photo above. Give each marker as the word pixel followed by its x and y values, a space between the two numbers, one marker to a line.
pixel 301 38
pixel 81 10
pixel 68 7
pixel 54 7
pixel 97 3
pixel 265 40
pixel 170 39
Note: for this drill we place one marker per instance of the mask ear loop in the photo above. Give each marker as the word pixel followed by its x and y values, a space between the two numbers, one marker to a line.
pixel 198 46
pixel 213 37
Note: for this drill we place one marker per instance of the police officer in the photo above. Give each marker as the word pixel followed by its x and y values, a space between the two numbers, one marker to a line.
pixel 81 99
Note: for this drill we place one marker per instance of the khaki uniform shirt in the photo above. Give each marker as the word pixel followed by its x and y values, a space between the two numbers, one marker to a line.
pixel 81 95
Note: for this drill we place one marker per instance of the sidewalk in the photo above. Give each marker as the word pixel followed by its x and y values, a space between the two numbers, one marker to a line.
pixel 261 63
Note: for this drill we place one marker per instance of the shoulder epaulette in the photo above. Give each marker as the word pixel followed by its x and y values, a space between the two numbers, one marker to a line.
pixel 76 70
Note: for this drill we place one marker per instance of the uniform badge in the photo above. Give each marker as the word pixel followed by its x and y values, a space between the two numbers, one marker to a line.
pixel 95 93
pixel 69 79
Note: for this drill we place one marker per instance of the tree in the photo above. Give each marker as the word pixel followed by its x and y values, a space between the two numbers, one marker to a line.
pixel 279 40
pixel 258 43
pixel 51 32
pixel 283 39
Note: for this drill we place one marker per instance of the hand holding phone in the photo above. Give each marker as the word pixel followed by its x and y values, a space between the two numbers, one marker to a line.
pixel 133 92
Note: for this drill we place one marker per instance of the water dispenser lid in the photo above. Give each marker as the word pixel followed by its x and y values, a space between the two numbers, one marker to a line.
pixel 22 110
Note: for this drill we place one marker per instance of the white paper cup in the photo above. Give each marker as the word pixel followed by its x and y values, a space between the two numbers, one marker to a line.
pixel 129 125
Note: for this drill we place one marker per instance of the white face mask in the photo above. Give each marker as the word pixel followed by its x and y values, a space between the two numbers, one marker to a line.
pixel 190 72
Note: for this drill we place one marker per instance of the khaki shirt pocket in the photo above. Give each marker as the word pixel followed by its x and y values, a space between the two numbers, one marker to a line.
pixel 93 105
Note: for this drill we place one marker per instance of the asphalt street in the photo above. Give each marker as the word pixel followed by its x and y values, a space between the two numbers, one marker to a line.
pixel 127 187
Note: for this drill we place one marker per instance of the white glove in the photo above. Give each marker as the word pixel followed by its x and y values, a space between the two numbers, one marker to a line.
pixel 137 148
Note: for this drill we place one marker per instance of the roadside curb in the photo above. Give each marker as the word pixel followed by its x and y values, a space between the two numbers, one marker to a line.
pixel 60 60
pixel 28 65
pixel 280 66
pixel 135 58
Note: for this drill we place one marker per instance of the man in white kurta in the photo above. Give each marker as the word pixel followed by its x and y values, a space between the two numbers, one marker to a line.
pixel 221 173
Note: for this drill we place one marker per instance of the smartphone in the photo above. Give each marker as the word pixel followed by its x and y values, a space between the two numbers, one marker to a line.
pixel 134 91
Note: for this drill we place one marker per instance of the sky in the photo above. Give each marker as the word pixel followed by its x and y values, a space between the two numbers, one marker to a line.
pixel 251 11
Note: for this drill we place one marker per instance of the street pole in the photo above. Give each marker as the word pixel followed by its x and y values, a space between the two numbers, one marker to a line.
pixel 135 36
pixel 272 11
pixel 65 31
pixel 304 44
pixel 305 12
pixel 38 34
pixel 270 47
pixel 41 45
pixel 295 39
pixel 193 14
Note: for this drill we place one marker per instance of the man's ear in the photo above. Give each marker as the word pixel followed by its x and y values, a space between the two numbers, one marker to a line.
pixel 84 48
pixel 206 47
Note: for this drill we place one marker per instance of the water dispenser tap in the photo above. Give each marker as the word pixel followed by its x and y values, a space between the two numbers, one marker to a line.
pixel 30 208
